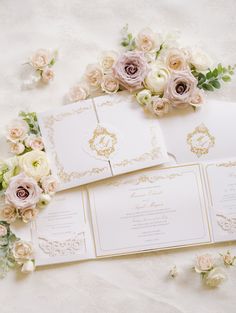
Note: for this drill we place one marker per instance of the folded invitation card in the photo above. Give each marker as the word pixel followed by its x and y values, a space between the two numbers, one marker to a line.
pixel 153 209
pixel 99 138
pixel 203 134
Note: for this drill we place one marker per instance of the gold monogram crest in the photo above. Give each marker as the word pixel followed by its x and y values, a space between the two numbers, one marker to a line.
pixel 200 140
pixel 103 142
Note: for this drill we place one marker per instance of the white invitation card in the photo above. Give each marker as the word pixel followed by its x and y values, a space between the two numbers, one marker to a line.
pixel 201 135
pixel 99 138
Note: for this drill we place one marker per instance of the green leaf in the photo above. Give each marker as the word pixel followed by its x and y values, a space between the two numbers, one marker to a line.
pixel 226 78
pixel 215 72
pixel 220 68
pixel 215 84
pixel 201 78
pixel 207 87
pixel 209 75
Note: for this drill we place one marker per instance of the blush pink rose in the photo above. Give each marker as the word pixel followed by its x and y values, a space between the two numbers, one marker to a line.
pixel 130 69
pixel 22 192
pixel 180 88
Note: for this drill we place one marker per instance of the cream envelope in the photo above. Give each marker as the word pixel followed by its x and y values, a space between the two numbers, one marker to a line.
pixel 202 135
pixel 99 138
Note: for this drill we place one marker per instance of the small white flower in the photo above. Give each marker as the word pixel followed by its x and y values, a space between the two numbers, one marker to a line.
pixel 228 259
pixel 44 200
pixel 17 148
pixel 109 84
pixel 47 75
pixel 144 96
pixel 173 272
pixel 200 60
pixel 40 59
pixel 17 130
pixel 78 92
pixel 28 267
pixel 147 40
pixel 49 184
pixel 107 60
pixel 34 142
pixel 204 263
pixel 215 277
pixel 93 76
pixel 3 230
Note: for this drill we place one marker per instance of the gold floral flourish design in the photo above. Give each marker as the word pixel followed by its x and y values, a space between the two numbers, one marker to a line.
pixel 200 140
pixel 103 142
pixel 49 122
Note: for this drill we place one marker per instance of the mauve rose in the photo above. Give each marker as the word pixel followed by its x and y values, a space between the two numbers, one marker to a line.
pixel 180 88
pixel 22 192
pixel 130 69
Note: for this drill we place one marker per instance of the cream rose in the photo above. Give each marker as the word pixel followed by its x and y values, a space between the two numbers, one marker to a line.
pixel 94 75
pixel 17 130
pixel 28 267
pixel 159 106
pixel 228 259
pixel 180 88
pixel 28 214
pixel 175 59
pixel 3 230
pixel 107 60
pixel 34 142
pixel 49 184
pixel 147 40
pixel 22 192
pixel 200 60
pixel 197 98
pixel 215 277
pixel 144 96
pixel 40 59
pixel 17 148
pixel 110 84
pixel 22 251
pixel 35 164
pixel 8 214
pixel 157 78
pixel 47 75
pixel 78 92
pixel 204 263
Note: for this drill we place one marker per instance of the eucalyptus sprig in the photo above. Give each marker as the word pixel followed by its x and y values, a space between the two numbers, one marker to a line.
pixel 32 121
pixel 7 259
pixel 128 40
pixel 212 79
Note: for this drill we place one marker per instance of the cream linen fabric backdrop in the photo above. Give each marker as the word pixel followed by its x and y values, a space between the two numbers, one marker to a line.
pixel 80 30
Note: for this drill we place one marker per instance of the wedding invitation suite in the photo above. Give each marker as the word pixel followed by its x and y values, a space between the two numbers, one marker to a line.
pixel 152 209
pixel 99 138
pixel 202 134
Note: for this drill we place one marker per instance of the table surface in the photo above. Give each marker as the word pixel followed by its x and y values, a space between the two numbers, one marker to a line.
pixel 80 30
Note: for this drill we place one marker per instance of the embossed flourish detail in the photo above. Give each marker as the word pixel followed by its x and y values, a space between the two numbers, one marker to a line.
pixel 200 140
pixel 226 223
pixel 151 155
pixel 71 246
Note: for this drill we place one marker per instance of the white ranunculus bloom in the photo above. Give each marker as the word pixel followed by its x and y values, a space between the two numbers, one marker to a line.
pixel 215 277
pixel 200 60
pixel 157 78
pixel 144 96
pixel 44 200
pixel 35 164
pixel 28 267
pixel 17 148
